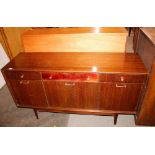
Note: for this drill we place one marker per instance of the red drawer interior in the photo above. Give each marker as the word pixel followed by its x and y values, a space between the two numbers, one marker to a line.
pixel 70 76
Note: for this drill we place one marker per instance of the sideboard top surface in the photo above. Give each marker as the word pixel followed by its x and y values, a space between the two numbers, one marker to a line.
pixel 79 62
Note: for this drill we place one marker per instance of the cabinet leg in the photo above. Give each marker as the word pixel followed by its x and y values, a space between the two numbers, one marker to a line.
pixel 115 118
pixel 129 31
pixel 36 113
pixel 135 117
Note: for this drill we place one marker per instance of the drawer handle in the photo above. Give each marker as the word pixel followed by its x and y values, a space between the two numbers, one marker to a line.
pixel 121 86
pixel 69 84
pixel 24 82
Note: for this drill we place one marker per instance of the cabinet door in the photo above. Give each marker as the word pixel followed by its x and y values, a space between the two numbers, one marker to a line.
pixel 89 95
pixel 119 96
pixel 80 95
pixel 29 93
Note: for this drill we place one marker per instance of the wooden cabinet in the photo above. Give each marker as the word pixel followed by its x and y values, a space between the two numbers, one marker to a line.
pixel 146 50
pixel 146 115
pixel 120 96
pixel 66 94
pixel 56 82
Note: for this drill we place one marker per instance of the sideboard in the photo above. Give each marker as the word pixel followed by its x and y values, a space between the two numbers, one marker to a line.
pixel 145 48
pixel 77 82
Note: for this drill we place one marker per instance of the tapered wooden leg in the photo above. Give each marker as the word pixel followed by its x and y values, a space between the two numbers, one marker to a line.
pixel 135 117
pixel 129 31
pixel 115 118
pixel 36 114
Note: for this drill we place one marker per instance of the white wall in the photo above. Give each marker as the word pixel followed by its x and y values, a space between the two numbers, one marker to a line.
pixel 3 61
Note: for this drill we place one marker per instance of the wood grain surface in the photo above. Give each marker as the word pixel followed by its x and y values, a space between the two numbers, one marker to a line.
pixel 79 62
pixel 113 91
pixel 146 114
pixel 75 40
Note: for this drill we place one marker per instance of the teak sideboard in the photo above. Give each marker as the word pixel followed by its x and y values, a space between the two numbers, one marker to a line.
pixel 78 82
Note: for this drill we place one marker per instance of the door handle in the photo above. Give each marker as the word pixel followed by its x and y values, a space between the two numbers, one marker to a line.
pixel 121 86
pixel 69 84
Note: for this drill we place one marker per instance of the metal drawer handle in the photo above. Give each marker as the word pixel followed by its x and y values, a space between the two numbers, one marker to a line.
pixel 69 84
pixel 24 82
pixel 121 86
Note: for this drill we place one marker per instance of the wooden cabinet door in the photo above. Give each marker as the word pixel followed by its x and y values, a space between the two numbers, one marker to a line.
pixel 119 96
pixel 29 93
pixel 89 95
pixel 80 95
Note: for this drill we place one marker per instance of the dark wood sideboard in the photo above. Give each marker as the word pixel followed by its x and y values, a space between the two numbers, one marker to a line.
pixel 82 83
pixel 145 48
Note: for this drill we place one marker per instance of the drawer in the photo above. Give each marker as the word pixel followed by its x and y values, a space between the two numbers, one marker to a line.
pixel 125 78
pixel 70 76
pixel 103 77
pixel 24 75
